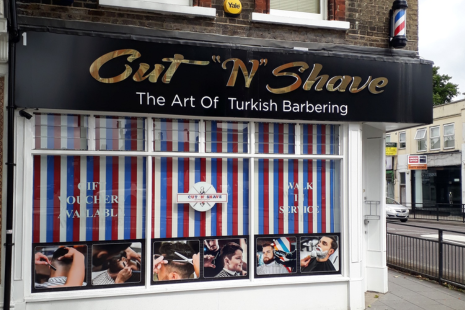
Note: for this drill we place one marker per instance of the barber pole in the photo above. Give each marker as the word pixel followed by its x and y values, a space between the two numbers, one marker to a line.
pixel 398 38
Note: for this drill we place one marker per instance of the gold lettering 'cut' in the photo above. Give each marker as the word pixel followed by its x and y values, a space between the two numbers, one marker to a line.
pixel 298 81
pixel 239 64
pixel 153 76
pixel 97 64
pixel 175 63
pixel 377 83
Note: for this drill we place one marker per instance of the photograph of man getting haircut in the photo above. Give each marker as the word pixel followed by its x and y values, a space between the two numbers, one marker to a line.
pixel 176 260
pixel 225 258
pixel 60 266
pixel 319 254
pixel 276 255
pixel 116 263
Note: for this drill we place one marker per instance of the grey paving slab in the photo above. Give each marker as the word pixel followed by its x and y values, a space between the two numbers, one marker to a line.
pixel 437 295
pixel 389 297
pixel 403 305
pixel 453 304
pixel 423 301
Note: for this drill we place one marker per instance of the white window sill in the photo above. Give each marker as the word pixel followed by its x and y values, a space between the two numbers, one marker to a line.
pixel 303 22
pixel 161 7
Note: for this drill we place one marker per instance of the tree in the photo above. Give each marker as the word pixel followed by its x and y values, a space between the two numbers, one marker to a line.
pixel 443 90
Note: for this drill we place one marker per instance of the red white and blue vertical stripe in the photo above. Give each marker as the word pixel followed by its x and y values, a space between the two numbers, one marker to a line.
pixel 64 213
pixel 114 133
pixel 226 137
pixel 274 138
pixel 399 23
pixel 176 135
pixel 319 139
pixel 60 131
pixel 294 184
pixel 177 175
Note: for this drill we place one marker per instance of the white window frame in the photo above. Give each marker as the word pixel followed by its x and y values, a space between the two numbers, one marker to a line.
pixel 180 7
pixel 404 141
pixel 26 145
pixel 301 18
pixel 420 136
pixel 449 135
pixel 431 137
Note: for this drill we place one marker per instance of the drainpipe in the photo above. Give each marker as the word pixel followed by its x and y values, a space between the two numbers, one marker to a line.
pixel 13 36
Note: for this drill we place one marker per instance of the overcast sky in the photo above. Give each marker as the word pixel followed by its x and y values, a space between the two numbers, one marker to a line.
pixel 442 38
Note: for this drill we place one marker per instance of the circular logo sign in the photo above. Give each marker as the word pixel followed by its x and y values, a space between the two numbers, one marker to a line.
pixel 233 7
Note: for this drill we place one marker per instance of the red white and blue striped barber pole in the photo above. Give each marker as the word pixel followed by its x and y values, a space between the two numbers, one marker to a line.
pixel 399 24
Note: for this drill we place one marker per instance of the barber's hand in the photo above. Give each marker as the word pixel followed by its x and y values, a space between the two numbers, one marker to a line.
pixel 131 255
pixel 305 261
pixel 123 275
pixel 208 261
pixel 41 259
pixel 157 263
pixel 72 254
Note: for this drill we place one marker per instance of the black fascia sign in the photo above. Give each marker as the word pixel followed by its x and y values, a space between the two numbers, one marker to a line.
pixel 77 72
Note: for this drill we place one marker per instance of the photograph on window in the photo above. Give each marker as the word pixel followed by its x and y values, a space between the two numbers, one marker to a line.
pixel 116 263
pixel 176 260
pixel 60 266
pixel 276 256
pixel 224 258
pixel 319 253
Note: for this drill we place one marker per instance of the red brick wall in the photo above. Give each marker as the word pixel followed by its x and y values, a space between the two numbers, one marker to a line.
pixel 369 20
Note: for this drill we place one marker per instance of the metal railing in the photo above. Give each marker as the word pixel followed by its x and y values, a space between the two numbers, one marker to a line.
pixel 438 255
pixel 437 211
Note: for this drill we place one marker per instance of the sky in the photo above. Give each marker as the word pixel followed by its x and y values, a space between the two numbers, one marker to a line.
pixel 442 38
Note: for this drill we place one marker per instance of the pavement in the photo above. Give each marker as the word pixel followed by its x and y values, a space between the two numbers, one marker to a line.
pixel 407 292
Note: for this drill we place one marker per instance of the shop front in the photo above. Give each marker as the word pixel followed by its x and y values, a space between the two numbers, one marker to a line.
pixel 159 171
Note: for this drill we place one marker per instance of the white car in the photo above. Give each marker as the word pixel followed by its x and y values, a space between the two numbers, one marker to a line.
pixel 395 210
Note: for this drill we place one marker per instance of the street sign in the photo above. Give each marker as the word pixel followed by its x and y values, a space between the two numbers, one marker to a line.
pixel 417 162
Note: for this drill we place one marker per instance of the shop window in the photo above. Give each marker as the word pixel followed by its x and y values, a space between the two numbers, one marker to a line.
pixel 114 133
pixel 60 131
pixel 435 138
pixel 226 137
pixel 420 137
pixel 402 140
pixel 93 208
pixel 319 139
pixel 449 136
pixel 173 135
pixel 274 138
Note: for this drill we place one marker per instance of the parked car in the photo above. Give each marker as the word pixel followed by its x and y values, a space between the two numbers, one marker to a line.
pixel 395 210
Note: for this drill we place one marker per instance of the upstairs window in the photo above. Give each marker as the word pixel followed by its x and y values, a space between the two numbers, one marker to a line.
pixel 402 140
pixel 298 8
pixel 435 138
pixel 388 138
pixel 420 136
pixel 449 136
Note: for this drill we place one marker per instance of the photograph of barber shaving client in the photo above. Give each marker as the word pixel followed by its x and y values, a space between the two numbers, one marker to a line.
pixel 276 255
pixel 225 258
pixel 116 263
pixel 319 254
pixel 176 260
pixel 60 266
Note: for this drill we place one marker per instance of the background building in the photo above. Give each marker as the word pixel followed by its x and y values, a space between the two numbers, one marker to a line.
pixel 442 142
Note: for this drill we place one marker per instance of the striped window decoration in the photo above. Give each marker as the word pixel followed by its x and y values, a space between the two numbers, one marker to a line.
pixel 88 198
pixel 60 131
pixel 274 138
pixel 177 175
pixel 113 133
pixel 176 135
pixel 319 139
pixel 296 196
pixel 226 137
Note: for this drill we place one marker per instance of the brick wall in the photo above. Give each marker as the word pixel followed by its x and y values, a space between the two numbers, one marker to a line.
pixel 369 20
